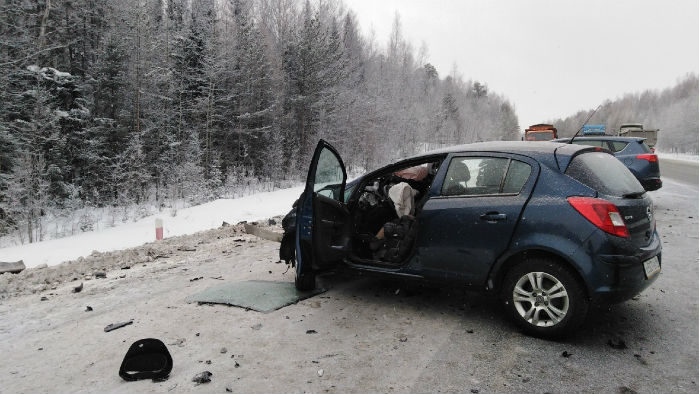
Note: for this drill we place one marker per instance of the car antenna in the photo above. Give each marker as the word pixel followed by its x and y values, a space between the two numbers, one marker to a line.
pixel 571 141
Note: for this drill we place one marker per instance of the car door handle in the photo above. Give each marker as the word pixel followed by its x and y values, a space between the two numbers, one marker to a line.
pixel 493 216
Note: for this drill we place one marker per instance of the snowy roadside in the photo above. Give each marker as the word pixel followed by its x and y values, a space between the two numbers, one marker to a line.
pixel 678 156
pixel 187 221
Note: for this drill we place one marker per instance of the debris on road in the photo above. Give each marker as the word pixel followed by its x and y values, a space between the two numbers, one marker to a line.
pixel 14 267
pixel 114 326
pixel 620 344
pixel 202 377
pixel 146 358
pixel 640 359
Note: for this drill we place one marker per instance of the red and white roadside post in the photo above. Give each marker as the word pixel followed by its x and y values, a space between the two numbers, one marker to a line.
pixel 159 229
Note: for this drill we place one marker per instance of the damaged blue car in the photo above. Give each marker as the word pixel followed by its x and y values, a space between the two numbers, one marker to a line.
pixel 550 228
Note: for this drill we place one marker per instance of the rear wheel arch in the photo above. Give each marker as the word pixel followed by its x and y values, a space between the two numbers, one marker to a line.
pixel 507 264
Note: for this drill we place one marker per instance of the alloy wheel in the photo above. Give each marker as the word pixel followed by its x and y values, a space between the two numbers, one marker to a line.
pixel 540 299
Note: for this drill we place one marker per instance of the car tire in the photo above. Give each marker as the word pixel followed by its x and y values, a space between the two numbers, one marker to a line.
pixel 544 298
pixel 305 277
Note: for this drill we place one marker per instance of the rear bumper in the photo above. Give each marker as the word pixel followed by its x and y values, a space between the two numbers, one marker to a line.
pixel 623 276
pixel 651 184
pixel 630 280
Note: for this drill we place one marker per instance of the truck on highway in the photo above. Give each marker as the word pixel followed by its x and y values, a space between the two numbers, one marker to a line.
pixel 541 132
pixel 638 130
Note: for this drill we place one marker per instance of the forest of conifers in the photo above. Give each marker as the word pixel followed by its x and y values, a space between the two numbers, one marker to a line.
pixel 150 101
pixel 143 103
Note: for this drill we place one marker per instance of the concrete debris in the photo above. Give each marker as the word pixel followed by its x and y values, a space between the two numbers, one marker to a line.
pixel 202 377
pixel 14 267
pixel 114 326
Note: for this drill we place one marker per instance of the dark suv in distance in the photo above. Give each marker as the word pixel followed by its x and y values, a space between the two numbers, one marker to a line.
pixel 633 152
pixel 548 227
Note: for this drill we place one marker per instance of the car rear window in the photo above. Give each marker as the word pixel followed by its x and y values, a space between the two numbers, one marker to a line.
pixel 645 147
pixel 604 173
pixel 618 145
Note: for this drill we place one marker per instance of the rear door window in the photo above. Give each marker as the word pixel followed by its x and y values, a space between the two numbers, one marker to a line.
pixel 604 173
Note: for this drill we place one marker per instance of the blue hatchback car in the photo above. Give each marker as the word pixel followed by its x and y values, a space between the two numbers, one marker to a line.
pixel 548 227
pixel 633 152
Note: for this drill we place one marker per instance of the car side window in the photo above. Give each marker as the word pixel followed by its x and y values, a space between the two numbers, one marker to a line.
pixel 518 174
pixel 598 143
pixel 618 145
pixel 469 176
pixel 329 172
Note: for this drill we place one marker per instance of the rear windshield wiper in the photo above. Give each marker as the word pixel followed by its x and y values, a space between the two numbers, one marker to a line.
pixel 634 194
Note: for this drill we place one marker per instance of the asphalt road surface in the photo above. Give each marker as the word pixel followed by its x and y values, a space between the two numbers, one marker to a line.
pixel 679 170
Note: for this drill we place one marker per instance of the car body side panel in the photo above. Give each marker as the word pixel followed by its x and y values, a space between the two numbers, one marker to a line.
pixel 454 241
pixel 550 223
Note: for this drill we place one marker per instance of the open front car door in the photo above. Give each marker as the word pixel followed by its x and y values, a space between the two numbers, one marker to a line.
pixel 323 227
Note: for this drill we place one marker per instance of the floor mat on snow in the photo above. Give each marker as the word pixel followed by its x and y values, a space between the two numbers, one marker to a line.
pixel 258 295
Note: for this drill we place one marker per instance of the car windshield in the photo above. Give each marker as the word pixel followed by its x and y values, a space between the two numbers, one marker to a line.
pixel 604 173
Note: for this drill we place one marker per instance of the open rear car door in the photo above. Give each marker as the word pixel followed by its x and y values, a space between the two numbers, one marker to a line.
pixel 323 227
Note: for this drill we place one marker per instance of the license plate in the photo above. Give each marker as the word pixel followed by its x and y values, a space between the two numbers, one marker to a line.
pixel 652 267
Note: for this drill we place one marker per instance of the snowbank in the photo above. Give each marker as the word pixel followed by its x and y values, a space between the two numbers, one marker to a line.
pixel 187 221
pixel 677 156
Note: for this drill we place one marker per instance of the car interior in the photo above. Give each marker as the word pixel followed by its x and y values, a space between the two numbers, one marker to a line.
pixel 385 212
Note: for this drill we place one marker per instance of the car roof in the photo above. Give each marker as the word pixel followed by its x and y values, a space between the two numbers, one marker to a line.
pixel 553 154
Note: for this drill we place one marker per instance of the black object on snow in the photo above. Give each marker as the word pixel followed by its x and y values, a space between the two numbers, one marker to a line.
pixel 617 345
pixel 114 326
pixel 146 359
pixel 311 331
pixel 78 288
pixel 197 278
pixel 100 274
pixel 202 377
pixel 565 354
pixel 44 298
pixel 88 309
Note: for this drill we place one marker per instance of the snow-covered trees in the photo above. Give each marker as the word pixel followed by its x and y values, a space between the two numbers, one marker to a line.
pixel 111 103
pixel 673 110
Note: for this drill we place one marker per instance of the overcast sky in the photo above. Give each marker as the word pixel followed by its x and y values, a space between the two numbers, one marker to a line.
pixel 550 58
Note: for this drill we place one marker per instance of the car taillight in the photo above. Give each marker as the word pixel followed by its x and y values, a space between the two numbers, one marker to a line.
pixel 603 214
pixel 651 158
